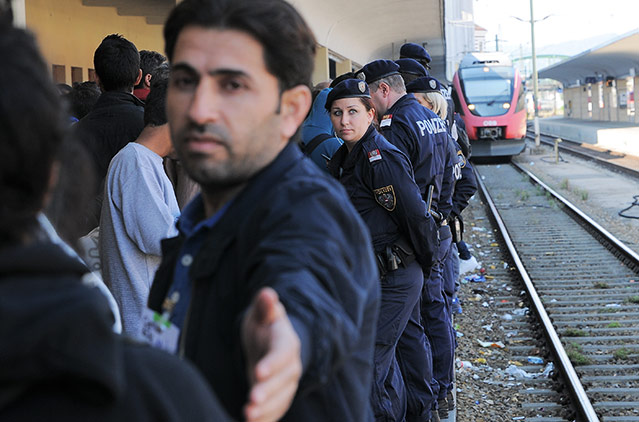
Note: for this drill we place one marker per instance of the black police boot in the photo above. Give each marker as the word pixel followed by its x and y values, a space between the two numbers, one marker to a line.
pixel 451 401
pixel 442 408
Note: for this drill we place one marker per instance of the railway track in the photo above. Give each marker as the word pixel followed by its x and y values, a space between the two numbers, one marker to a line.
pixel 607 159
pixel 581 285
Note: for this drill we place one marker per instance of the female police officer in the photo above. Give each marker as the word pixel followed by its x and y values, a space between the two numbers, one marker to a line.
pixel 379 180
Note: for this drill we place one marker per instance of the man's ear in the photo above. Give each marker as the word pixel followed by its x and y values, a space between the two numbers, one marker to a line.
pixel 385 89
pixel 147 80
pixel 295 104
pixel 139 78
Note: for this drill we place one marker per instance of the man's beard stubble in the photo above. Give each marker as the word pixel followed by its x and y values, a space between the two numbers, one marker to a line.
pixel 212 176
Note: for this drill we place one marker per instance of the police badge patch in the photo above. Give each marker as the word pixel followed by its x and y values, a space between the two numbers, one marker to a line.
pixel 461 158
pixel 386 120
pixel 386 197
pixel 374 155
pixel 362 86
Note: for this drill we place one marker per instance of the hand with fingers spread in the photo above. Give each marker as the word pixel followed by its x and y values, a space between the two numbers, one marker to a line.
pixel 273 356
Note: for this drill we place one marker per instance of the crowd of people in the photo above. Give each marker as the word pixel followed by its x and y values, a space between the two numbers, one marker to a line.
pixel 203 236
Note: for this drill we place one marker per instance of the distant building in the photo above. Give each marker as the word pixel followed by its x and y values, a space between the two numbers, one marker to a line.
pixel 600 83
pixel 480 38
pixel 459 30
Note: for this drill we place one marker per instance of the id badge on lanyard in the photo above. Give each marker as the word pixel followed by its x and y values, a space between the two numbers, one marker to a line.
pixel 157 330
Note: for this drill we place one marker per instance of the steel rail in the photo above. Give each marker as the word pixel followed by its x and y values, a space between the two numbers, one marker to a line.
pixel 585 154
pixel 631 255
pixel 581 401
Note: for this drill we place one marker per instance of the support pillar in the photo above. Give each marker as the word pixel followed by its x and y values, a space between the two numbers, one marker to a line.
pixel 320 73
pixel 19 13
pixel 343 67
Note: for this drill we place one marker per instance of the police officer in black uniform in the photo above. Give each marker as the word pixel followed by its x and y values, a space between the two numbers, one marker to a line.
pixel 379 180
pixel 422 136
pixel 411 50
pixel 419 53
pixel 411 69
pixel 436 312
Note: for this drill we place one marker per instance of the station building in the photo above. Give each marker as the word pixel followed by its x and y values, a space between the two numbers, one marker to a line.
pixel 599 84
pixel 349 34
pixel 599 87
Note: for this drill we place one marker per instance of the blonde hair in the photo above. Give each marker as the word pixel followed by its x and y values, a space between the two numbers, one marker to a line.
pixel 437 100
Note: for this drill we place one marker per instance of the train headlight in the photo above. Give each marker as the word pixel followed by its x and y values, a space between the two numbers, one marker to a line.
pixel 471 107
pixel 506 106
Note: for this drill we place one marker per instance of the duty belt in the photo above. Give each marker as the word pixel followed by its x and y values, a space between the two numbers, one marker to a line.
pixel 394 255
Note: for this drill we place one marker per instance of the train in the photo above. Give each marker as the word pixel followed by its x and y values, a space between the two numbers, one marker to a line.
pixel 489 95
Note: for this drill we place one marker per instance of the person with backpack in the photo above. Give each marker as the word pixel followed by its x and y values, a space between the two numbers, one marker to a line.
pixel 318 140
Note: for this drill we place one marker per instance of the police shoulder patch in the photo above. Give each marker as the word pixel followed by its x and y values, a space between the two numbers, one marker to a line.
pixel 461 158
pixel 374 155
pixel 386 197
pixel 386 120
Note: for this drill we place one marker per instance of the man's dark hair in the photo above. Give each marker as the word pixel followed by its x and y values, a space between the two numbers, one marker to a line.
pixel 289 44
pixel 155 108
pixel 82 98
pixel 149 61
pixel 27 150
pixel 315 91
pixel 6 13
pixel 117 63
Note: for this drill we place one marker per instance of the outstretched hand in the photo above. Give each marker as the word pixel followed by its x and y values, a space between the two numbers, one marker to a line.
pixel 273 355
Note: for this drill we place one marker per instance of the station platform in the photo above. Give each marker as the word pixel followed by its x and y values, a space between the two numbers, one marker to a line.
pixel 620 137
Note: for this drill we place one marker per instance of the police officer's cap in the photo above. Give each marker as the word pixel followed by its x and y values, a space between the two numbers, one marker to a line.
pixel 412 67
pixel 425 84
pixel 414 51
pixel 379 69
pixel 349 88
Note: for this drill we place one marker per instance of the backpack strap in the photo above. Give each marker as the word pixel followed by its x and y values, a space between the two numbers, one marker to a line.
pixel 314 143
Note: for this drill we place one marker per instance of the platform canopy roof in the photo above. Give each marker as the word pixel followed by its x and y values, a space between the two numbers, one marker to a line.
pixel 360 30
pixel 365 30
pixel 618 58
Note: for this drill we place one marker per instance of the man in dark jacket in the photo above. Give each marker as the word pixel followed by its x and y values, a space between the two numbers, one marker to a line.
pixel 59 358
pixel 238 93
pixel 117 118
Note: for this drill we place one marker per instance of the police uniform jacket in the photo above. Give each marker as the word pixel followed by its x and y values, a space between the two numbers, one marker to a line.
pixel 452 174
pixel 465 187
pixel 379 180
pixel 421 135
pixel 291 228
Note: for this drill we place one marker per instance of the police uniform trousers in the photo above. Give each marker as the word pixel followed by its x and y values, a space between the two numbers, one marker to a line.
pixel 451 277
pixel 397 331
pixel 436 318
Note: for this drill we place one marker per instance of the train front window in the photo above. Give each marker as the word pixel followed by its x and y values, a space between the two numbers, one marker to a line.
pixel 488 89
